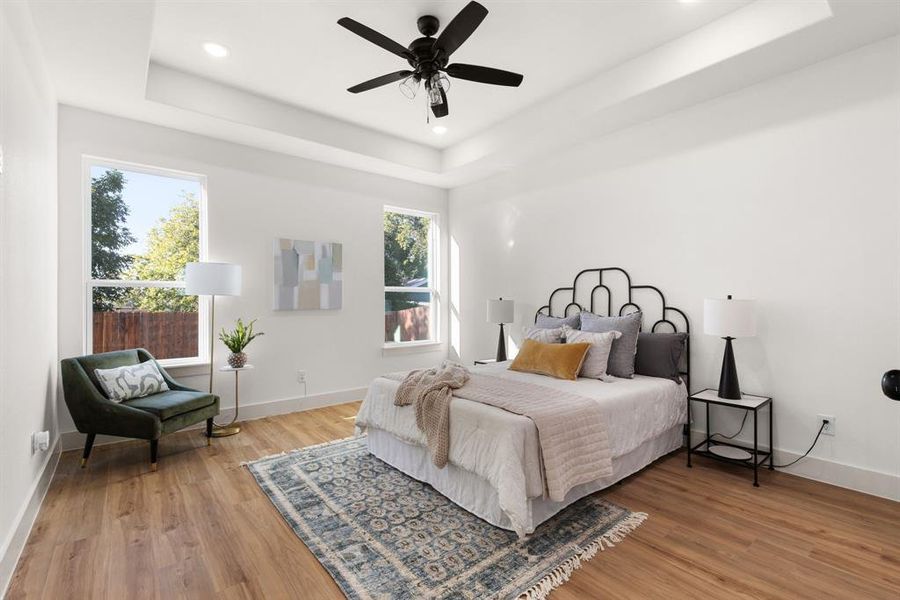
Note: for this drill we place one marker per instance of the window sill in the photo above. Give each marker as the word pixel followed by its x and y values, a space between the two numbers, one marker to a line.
pixel 410 347
pixel 185 367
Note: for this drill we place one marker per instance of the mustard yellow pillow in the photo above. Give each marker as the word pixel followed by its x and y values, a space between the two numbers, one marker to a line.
pixel 562 361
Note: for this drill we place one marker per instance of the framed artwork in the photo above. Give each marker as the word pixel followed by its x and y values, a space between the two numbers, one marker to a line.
pixel 308 275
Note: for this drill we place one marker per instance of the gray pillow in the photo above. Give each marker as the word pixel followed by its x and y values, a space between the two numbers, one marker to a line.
pixel 659 354
pixel 621 357
pixel 594 365
pixel 548 322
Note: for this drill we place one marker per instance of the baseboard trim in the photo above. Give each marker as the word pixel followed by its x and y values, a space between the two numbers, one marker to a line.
pixel 9 557
pixel 73 440
pixel 875 483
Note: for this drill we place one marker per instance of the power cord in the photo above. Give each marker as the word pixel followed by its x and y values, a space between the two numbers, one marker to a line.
pixel 731 437
pixel 815 441
pixel 821 429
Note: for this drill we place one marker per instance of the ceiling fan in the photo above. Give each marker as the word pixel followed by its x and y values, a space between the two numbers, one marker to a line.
pixel 429 57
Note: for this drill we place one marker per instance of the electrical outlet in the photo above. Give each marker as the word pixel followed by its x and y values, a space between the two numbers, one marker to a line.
pixel 830 427
pixel 40 441
pixel 301 376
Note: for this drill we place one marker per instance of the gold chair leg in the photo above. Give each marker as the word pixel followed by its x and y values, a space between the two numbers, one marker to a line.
pixel 83 463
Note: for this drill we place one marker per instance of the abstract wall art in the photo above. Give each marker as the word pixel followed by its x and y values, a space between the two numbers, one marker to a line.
pixel 308 275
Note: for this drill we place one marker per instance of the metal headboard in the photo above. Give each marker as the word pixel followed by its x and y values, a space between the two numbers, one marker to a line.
pixel 665 310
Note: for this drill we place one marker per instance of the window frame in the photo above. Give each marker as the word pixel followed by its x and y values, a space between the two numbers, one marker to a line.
pixel 433 288
pixel 203 330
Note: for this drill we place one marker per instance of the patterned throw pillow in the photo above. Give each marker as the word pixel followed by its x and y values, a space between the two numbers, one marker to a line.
pixel 131 381
pixel 594 365
pixel 545 336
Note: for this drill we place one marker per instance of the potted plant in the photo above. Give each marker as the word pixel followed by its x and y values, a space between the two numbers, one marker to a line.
pixel 238 339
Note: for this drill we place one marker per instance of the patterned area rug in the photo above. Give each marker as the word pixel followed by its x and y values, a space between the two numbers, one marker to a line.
pixel 382 534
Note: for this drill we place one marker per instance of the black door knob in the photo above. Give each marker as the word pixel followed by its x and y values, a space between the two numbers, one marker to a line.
pixel 890 384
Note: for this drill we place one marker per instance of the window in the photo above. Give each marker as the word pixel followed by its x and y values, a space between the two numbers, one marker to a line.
pixel 410 276
pixel 144 226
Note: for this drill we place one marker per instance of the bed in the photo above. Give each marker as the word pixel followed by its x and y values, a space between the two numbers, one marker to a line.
pixel 494 468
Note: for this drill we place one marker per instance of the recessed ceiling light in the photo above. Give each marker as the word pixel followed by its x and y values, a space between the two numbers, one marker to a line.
pixel 215 50
pixel 439 129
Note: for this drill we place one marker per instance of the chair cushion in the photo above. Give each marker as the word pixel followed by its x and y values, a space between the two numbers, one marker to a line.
pixel 172 403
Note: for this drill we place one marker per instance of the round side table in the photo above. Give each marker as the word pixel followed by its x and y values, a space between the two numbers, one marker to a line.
pixel 233 427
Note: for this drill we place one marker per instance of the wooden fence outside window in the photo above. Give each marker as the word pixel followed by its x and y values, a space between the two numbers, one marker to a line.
pixel 164 334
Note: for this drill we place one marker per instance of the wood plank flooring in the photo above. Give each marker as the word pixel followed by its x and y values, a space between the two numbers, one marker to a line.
pixel 200 528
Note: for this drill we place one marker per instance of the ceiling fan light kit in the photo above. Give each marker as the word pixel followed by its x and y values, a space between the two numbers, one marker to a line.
pixel 429 57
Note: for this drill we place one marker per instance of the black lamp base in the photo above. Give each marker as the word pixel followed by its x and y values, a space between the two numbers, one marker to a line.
pixel 501 345
pixel 729 388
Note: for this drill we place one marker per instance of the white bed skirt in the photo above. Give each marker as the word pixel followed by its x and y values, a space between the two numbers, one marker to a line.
pixel 475 494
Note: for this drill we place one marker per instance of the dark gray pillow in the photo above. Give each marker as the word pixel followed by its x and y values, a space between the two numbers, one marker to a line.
pixel 548 322
pixel 659 354
pixel 621 357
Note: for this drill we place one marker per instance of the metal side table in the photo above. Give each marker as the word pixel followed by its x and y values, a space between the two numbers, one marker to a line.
pixel 233 427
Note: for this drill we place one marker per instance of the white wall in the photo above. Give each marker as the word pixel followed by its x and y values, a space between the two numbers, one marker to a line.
pixel 786 192
pixel 255 196
pixel 28 364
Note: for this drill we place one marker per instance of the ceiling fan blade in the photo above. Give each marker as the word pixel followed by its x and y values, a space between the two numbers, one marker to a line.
pixel 460 28
pixel 376 38
pixel 442 109
pixel 484 74
pixel 379 81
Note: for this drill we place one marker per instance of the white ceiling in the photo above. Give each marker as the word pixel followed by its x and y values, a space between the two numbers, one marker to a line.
pixel 295 52
pixel 591 68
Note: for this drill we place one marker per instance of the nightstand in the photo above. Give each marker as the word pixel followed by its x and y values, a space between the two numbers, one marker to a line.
pixel 485 361
pixel 726 451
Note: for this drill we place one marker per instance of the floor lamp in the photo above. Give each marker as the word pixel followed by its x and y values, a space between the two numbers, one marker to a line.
pixel 212 279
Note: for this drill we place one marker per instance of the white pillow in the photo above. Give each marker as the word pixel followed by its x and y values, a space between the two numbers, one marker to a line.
pixel 131 381
pixel 545 336
pixel 594 365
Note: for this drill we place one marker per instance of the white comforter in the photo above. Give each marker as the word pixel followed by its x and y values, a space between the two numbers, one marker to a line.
pixel 502 447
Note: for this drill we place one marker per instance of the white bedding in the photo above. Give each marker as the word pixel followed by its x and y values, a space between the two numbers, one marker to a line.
pixel 502 447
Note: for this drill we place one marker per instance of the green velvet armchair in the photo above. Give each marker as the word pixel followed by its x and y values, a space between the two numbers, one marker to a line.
pixel 146 418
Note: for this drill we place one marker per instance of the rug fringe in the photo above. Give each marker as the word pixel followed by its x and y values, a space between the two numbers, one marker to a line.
pixel 563 572
pixel 245 463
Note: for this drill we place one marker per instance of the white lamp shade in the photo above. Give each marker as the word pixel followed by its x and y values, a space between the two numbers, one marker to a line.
pixel 729 317
pixel 500 311
pixel 212 279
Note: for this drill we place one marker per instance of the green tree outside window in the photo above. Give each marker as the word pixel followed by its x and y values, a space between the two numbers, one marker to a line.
pixel 109 236
pixel 171 244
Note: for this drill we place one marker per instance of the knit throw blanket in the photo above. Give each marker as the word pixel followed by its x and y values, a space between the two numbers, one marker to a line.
pixel 571 429
pixel 430 392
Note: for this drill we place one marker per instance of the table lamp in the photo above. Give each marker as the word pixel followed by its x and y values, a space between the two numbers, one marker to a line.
pixel 212 279
pixel 729 319
pixel 499 312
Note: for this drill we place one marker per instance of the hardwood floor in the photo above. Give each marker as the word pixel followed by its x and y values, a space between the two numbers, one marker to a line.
pixel 200 528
